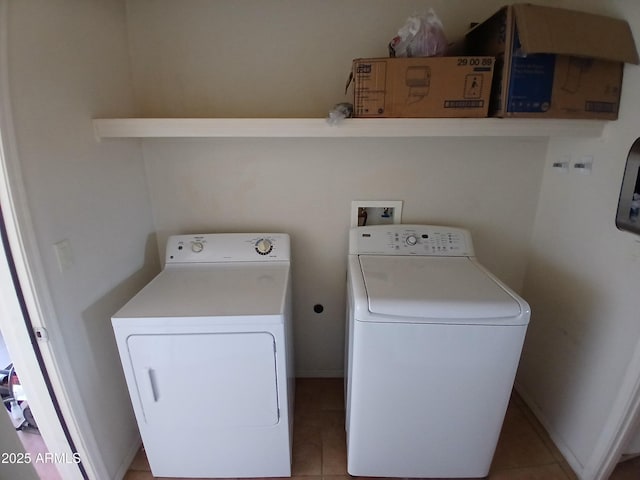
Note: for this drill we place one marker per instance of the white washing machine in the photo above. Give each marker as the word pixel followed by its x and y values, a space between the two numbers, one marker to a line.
pixel 206 349
pixel 433 343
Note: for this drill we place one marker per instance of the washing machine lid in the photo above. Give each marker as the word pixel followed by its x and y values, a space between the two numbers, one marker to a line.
pixel 213 290
pixel 423 287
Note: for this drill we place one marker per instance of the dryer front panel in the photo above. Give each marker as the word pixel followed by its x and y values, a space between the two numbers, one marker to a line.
pixel 206 381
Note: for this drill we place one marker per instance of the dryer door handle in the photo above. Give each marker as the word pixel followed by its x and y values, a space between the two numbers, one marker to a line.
pixel 151 375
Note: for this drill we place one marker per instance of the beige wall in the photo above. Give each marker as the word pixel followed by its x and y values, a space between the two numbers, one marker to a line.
pixel 267 58
pixel 305 188
pixel 68 62
pixel 582 282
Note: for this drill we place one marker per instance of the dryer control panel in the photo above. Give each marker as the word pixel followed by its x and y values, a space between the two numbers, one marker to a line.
pixel 228 247
pixel 430 240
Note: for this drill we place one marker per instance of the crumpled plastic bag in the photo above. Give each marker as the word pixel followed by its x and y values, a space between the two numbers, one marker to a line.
pixel 420 36
pixel 339 112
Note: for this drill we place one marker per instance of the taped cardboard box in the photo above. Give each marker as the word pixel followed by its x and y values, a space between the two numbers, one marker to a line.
pixel 422 86
pixel 554 63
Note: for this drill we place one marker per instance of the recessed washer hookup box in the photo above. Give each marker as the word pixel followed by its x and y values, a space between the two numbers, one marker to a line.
pixel 553 62
pixel 422 86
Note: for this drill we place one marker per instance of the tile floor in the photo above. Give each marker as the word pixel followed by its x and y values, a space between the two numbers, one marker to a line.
pixel 524 451
pixel 629 470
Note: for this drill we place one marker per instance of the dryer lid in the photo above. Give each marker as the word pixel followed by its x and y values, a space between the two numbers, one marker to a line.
pixel 430 288
pixel 212 290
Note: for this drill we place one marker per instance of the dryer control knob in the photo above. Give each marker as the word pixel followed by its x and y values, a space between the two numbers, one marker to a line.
pixel 411 240
pixel 197 247
pixel 264 246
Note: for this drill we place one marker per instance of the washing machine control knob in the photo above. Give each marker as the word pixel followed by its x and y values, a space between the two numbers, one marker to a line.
pixel 197 247
pixel 264 246
pixel 411 240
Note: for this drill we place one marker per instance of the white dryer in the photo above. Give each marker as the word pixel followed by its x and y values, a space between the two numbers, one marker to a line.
pixel 433 343
pixel 206 349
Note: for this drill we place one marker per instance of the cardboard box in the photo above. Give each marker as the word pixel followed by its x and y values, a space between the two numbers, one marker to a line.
pixel 422 86
pixel 554 63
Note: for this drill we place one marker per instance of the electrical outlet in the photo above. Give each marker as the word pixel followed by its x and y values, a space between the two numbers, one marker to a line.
pixel 375 212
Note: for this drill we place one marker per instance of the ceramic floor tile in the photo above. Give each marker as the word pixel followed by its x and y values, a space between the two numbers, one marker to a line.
pixel 308 430
pixel 629 470
pixel 138 475
pixel 318 394
pixel 218 478
pixel 140 461
pixel 268 478
pixel 541 472
pixel 306 402
pixel 334 460
pixel 334 451
pixel 307 446
pixel 332 420
pixel 519 444
pixel 332 395
pixel 524 452
pixel 544 436
pixel 307 459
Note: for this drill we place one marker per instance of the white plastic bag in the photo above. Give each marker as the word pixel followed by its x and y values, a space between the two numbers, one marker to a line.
pixel 339 112
pixel 420 36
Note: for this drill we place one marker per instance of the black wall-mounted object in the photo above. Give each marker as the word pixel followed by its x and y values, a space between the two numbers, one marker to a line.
pixel 628 215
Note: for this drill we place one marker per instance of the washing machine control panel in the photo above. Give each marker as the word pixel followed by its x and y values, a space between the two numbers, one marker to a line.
pixel 427 240
pixel 228 247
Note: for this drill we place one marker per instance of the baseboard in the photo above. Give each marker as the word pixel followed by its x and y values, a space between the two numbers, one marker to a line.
pixel 564 449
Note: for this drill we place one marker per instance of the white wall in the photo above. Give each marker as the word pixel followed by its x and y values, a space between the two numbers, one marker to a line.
pixel 305 188
pixel 582 282
pixel 69 62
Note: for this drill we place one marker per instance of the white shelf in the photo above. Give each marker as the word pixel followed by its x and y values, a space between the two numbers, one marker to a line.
pixel 352 127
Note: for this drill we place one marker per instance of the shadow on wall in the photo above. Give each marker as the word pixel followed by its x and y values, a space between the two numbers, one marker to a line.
pixel 97 317
pixel 109 395
pixel 104 389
